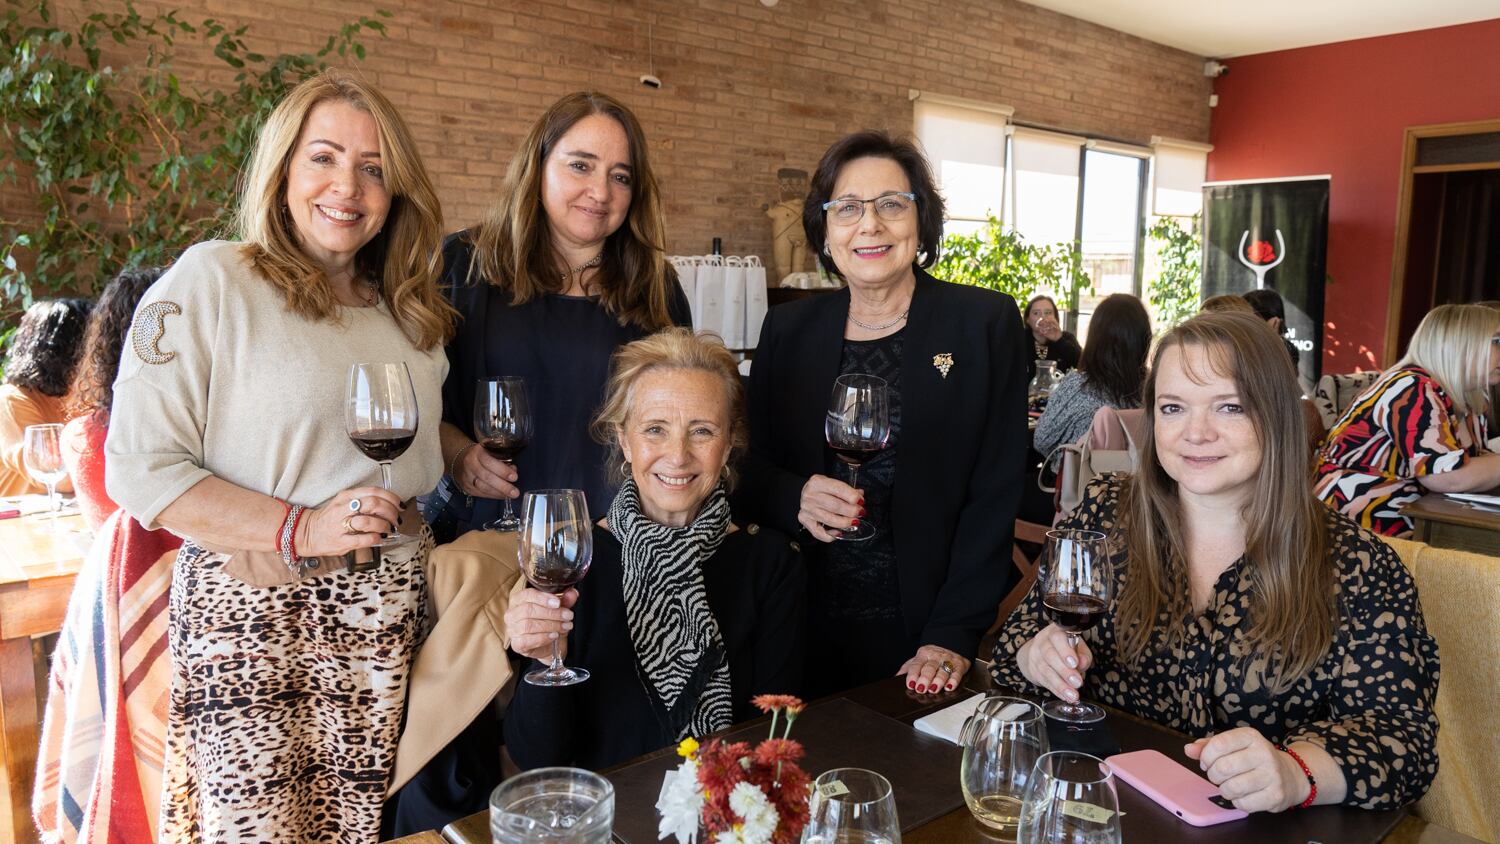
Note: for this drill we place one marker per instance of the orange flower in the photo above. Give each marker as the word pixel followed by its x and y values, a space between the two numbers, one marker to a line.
pixel 774 751
pixel 771 703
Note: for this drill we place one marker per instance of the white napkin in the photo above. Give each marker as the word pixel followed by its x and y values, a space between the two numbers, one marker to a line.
pixel 947 723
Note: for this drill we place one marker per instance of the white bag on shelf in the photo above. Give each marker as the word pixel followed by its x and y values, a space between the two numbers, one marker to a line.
pixel 732 329
pixel 755 300
pixel 708 295
pixel 687 274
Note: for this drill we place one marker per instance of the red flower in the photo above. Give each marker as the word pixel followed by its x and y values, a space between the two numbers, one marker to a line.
pixel 770 703
pixel 719 767
pixel 774 751
pixel 1261 252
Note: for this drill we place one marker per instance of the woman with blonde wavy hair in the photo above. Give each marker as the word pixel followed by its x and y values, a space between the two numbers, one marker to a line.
pixel 1420 427
pixel 289 658
pixel 568 266
pixel 1286 639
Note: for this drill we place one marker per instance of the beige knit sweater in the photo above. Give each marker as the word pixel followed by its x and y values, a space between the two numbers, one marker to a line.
pixel 217 377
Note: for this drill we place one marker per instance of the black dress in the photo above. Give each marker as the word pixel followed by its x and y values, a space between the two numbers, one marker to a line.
pixel 755 589
pixel 1064 350
pixel 561 345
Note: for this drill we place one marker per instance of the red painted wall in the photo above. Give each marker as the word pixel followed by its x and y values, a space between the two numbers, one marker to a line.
pixel 1342 109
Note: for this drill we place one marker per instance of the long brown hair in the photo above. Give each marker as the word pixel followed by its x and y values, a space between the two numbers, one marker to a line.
pixel 404 257
pixel 1293 611
pixel 513 246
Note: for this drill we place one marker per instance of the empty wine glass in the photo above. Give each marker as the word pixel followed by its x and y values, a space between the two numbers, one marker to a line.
pixel 502 425
pixel 1002 741
pixel 1071 800
pixel 380 418
pixel 857 426
pixel 555 546
pixel 851 805
pixel 42 454
pixel 1075 595
pixel 553 805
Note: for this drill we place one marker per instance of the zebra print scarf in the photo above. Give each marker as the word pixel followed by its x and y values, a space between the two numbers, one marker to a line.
pixel 679 651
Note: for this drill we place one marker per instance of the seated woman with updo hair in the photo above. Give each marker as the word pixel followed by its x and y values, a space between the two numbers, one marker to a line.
pixel 1287 640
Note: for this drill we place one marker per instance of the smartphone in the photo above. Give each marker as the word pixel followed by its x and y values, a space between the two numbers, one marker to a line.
pixel 1174 787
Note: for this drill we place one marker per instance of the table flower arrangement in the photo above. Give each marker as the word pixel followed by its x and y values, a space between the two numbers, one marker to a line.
pixel 731 792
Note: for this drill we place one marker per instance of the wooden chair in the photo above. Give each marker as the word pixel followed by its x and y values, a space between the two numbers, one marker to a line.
pixel 1025 532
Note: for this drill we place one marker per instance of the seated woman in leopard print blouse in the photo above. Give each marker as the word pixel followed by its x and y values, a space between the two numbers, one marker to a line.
pixel 1247 614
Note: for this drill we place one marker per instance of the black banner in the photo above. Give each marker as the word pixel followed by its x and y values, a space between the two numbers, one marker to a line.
pixel 1272 234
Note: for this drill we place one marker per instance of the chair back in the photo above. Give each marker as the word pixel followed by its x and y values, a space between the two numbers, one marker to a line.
pixel 1457 591
pixel 1335 393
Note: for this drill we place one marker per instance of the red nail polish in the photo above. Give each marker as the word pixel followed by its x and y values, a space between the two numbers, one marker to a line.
pixel 922 689
pixel 855 523
pixel 911 684
pixel 861 512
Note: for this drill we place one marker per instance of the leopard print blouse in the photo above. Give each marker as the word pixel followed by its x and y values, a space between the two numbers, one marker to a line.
pixel 1368 703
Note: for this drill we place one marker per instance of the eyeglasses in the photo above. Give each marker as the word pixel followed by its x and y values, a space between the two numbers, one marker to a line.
pixel 888 206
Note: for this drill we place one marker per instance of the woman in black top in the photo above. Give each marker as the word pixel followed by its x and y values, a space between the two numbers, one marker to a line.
pixel 1048 340
pixel 942 495
pixel 684 616
pixel 1287 639
pixel 568 267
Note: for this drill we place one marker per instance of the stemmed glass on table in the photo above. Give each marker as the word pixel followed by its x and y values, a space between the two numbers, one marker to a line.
pixel 555 546
pixel 857 426
pixel 1075 595
pixel 381 419
pixel 502 425
pixel 42 455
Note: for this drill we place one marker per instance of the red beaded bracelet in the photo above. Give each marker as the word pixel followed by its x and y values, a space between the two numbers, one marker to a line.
pixel 1312 793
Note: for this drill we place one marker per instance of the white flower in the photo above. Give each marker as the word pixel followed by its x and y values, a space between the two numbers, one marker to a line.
pixel 681 804
pixel 760 818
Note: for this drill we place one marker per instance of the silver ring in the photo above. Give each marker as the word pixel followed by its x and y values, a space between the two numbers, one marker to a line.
pixel 354 505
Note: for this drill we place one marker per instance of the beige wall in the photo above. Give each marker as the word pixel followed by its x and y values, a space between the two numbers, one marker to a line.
pixel 747 89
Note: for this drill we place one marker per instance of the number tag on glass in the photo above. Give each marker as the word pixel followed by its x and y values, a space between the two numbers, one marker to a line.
pixel 1086 811
pixel 833 789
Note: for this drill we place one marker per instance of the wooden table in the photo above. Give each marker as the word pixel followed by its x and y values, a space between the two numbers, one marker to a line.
pixel 1444 522
pixel 951 823
pixel 39 558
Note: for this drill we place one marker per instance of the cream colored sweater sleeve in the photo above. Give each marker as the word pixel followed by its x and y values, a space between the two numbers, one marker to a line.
pixel 155 444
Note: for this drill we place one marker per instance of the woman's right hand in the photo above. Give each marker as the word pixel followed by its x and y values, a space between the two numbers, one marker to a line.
pixel 1049 328
pixel 535 619
pixel 1048 661
pixel 322 533
pixel 829 507
pixel 483 476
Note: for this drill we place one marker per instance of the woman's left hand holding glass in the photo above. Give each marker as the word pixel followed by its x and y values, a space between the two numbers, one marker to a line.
pixel 1249 771
pixel 934 670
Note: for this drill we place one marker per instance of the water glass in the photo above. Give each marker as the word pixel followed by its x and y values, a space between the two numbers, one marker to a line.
pixel 1071 799
pixel 852 806
pixel 553 806
pixel 1002 742
pixel 42 455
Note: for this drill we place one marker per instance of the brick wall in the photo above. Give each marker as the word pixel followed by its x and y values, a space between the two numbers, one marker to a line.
pixel 746 89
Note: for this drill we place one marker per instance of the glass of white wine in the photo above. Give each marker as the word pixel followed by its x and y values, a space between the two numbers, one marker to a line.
pixel 1002 741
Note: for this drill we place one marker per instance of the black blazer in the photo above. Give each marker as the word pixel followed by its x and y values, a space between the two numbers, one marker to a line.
pixel 959 467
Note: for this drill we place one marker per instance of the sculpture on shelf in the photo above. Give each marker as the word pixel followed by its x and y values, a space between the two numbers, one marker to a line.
pixel 788 242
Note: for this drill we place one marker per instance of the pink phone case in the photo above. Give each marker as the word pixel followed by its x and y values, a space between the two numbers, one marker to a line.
pixel 1173 787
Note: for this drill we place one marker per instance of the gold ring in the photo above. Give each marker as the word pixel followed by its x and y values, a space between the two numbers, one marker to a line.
pixel 348 525
pixel 946 666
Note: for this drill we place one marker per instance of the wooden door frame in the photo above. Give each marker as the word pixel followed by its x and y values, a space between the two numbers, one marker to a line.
pixel 1409 172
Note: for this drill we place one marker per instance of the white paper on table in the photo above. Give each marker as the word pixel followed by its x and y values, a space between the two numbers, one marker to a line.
pixel 1476 497
pixel 732 323
pixel 755 300
pixel 948 722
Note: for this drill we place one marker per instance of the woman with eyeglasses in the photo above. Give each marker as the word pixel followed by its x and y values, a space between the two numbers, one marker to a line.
pixel 942 495
pixel 1420 427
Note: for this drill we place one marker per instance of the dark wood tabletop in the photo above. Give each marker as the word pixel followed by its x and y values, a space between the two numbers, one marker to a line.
pixel 1444 522
pixel 870 727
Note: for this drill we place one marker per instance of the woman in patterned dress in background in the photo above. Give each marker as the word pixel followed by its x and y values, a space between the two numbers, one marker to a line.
pixel 290 668
pixel 1420 427
pixel 1286 638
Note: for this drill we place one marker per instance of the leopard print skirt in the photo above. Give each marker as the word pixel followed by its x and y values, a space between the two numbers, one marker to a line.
pixel 286 700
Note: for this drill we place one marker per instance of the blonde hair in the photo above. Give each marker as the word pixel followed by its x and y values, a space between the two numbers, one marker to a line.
pixel 1293 595
pixel 1453 345
pixel 1226 304
pixel 513 247
pixel 404 257
pixel 672 348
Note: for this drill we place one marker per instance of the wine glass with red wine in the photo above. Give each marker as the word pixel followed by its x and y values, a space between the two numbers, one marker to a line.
pixel 502 425
pixel 555 547
pixel 1075 595
pixel 381 419
pixel 858 425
